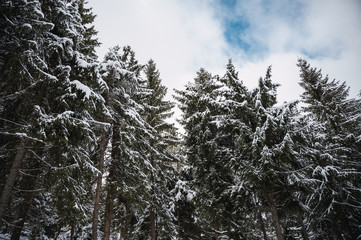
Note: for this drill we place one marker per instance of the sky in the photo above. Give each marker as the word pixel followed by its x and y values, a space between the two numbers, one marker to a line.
pixel 182 36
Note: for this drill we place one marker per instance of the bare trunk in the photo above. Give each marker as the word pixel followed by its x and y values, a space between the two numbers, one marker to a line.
pixel 10 181
pixel 153 234
pixel 72 233
pixel 111 188
pixel 303 228
pixel 276 222
pixel 99 185
pixel 109 204
pixel 263 229
pixel 23 212
pixel 153 230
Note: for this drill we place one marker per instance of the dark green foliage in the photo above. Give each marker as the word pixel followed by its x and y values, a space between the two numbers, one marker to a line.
pixel 48 95
pixel 211 175
pixel 335 202
pixel 161 175
pixel 248 167
pixel 89 42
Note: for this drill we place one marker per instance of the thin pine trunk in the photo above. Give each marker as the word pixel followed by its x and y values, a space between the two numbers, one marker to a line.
pixel 303 228
pixel 153 230
pixel 153 225
pixel 276 222
pixel 263 229
pixel 103 144
pixel 109 204
pixel 72 233
pixel 29 183
pixel 23 212
pixel 217 232
pixel 11 179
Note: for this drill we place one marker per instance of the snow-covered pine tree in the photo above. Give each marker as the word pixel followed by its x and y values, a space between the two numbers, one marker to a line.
pixel 261 170
pixel 271 155
pixel 335 201
pixel 235 122
pixel 199 104
pixel 89 41
pixel 127 184
pixel 87 48
pixel 162 175
pixel 21 71
pixel 70 118
pixel 54 103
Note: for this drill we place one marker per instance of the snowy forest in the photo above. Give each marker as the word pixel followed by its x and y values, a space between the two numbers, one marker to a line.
pixel 87 150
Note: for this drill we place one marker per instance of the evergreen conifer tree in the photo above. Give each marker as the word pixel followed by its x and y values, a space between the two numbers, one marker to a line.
pixel 335 201
pixel 235 121
pixel 199 103
pixel 127 182
pixel 269 156
pixel 55 101
pixel 162 175
pixel 21 72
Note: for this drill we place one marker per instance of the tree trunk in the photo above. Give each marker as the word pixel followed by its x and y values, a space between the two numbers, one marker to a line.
pixel 20 154
pixel 6 193
pixel 153 230
pixel 276 222
pixel 153 233
pixel 263 229
pixel 103 144
pixel 109 205
pixel 111 188
pixel 72 233
pixel 217 235
pixel 303 228
pixel 23 212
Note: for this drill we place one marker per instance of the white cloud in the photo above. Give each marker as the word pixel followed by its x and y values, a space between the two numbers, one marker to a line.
pixel 181 36
pixel 326 32
pixel 184 35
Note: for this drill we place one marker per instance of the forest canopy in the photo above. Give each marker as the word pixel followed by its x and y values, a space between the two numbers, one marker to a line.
pixel 87 150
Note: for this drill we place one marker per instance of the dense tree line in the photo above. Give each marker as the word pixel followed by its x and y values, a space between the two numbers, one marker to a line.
pixel 87 151
pixel 261 170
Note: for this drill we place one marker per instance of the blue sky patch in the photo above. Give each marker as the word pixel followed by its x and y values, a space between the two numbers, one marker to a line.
pixel 233 32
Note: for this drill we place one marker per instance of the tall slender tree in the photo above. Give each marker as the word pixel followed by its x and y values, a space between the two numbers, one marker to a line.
pixel 156 112
pixel 22 71
pixel 335 201
pixel 54 87
pixel 131 136
pixel 199 103
pixel 235 122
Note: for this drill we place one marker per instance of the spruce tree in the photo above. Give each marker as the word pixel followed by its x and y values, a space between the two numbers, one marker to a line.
pixel 269 157
pixel 21 72
pixel 162 175
pixel 199 103
pixel 55 101
pixel 335 201
pixel 127 182
pixel 235 121
pixel 71 113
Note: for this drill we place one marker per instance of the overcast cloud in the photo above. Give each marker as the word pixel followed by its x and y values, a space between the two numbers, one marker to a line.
pixel 184 35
